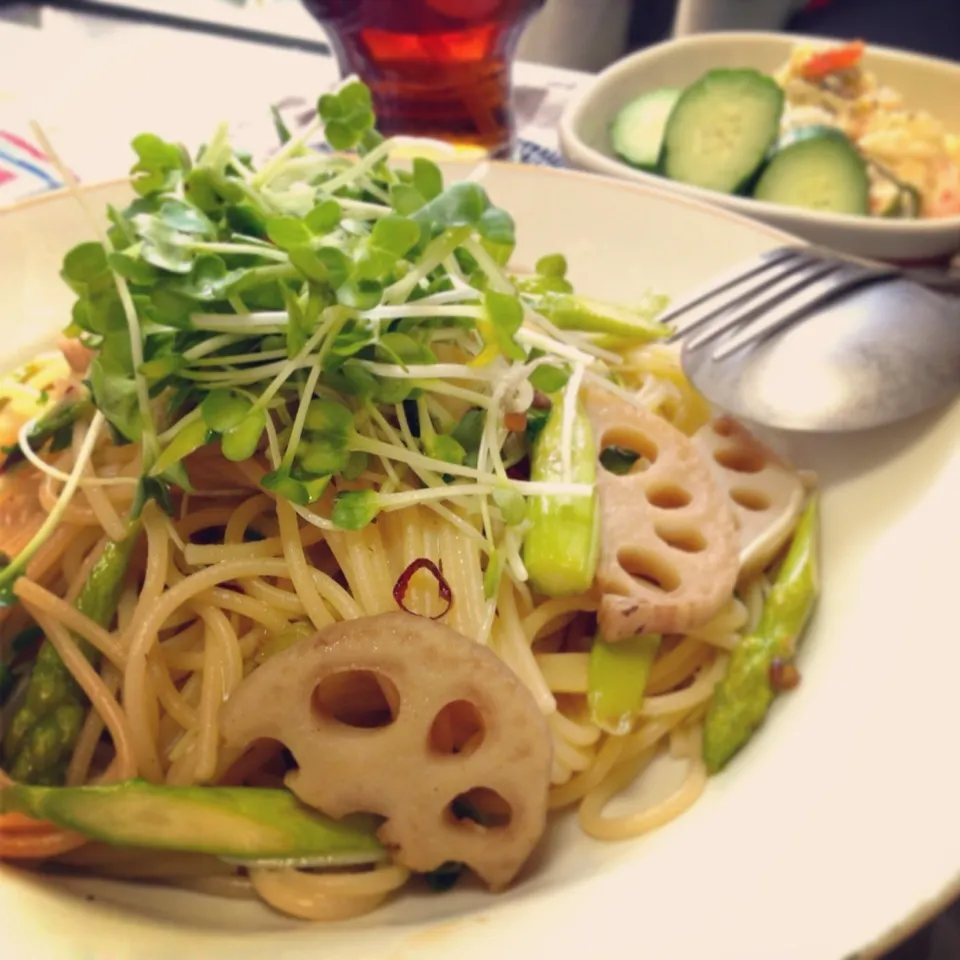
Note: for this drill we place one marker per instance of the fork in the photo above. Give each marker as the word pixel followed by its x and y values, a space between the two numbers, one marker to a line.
pixel 779 288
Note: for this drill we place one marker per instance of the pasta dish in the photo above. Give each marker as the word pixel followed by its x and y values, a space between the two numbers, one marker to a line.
pixel 339 554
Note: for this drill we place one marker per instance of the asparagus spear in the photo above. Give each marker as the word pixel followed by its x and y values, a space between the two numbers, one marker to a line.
pixel 54 427
pixel 617 678
pixel 44 730
pixel 570 311
pixel 561 547
pixel 239 823
pixel 743 697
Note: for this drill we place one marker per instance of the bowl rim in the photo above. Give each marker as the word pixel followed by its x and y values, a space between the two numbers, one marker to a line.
pixel 577 150
pixel 899 929
pixel 12 359
pixel 654 189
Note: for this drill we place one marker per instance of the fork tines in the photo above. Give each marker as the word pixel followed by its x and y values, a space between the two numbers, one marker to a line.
pixel 762 297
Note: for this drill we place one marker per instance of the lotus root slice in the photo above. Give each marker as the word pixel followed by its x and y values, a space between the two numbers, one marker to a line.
pixel 401 765
pixel 765 493
pixel 669 546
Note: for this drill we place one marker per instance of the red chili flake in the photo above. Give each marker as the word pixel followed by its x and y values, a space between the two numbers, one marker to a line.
pixel 540 401
pixel 403 581
pixel 784 675
pixel 515 421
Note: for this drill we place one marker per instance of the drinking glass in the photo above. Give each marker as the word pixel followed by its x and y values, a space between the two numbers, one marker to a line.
pixel 436 68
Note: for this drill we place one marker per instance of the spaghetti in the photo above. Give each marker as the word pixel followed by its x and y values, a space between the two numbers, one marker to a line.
pixel 307 424
pixel 202 615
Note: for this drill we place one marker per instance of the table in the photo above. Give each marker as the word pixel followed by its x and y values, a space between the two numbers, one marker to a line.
pixel 127 78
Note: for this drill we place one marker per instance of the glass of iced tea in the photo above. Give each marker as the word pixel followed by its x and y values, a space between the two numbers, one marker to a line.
pixel 437 68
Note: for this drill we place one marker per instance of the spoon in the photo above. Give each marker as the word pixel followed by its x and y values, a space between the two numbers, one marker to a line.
pixel 881 353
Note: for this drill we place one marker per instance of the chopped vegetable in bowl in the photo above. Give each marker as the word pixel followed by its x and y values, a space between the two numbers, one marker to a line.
pixel 908 151
pixel 823 133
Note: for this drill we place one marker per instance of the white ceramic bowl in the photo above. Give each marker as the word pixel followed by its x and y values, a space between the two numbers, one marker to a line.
pixel 832 835
pixel 925 82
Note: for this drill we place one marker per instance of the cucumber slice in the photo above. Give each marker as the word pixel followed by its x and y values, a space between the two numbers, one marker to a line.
pixel 817 168
pixel 242 823
pixel 637 130
pixel 721 129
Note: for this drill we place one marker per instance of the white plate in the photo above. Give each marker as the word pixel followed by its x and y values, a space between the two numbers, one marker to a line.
pixel 925 82
pixel 837 826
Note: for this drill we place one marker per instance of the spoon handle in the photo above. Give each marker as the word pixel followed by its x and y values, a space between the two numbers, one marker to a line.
pixel 943 281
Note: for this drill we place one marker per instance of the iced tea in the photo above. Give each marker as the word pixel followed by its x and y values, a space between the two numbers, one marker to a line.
pixel 437 68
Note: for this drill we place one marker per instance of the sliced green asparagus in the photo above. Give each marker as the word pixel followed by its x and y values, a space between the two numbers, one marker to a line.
pixel 239 823
pixel 570 311
pixel 42 733
pixel 54 427
pixel 561 547
pixel 617 679
pixel 742 699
